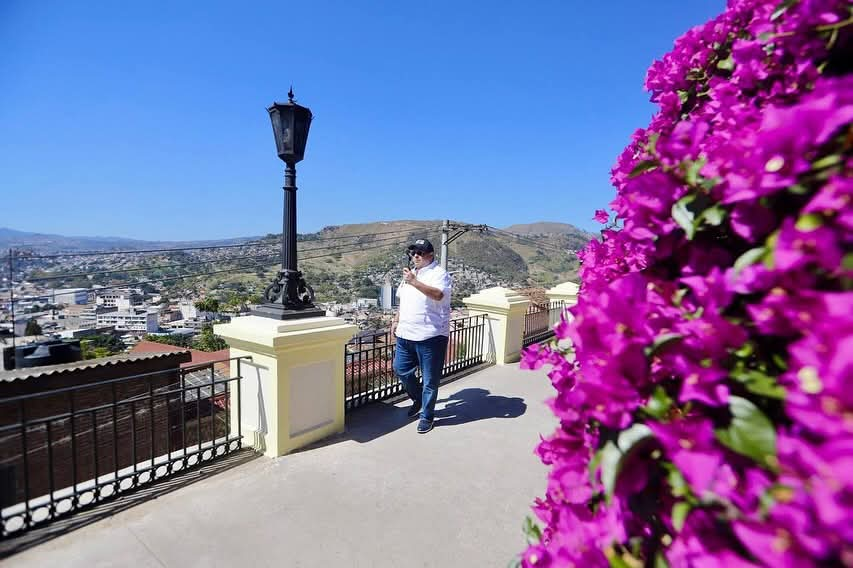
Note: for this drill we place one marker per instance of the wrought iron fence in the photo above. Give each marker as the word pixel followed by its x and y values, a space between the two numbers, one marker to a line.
pixel 65 449
pixel 539 321
pixel 368 360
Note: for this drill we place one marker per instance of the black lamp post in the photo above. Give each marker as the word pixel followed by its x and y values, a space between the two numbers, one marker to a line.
pixel 289 296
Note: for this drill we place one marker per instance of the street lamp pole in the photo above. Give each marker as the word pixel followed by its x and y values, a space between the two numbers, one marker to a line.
pixel 288 296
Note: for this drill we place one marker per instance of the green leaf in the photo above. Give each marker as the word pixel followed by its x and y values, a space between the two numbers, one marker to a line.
pixel 798 189
pixel 683 216
pixel 713 215
pixel 759 383
pixel 827 162
pixel 750 432
pixel 709 183
pixel 847 262
pixel 781 9
pixel 661 341
pixel 809 222
pixel 531 531
pixel 643 167
pixel 726 64
pixel 593 466
pixel 659 404
pixel 651 147
pixel 615 560
pixel 683 96
pixel 660 561
pixel 749 258
pixel 745 350
pixel 614 455
pixel 677 482
pixel 693 169
pixel 679 514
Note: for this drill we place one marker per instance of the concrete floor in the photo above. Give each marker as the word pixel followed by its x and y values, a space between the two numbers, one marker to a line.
pixel 379 495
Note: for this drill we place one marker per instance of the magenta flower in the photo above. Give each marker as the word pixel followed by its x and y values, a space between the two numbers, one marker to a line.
pixel 601 216
pixel 705 410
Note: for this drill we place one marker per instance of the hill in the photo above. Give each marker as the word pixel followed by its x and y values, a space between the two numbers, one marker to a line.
pixel 45 243
pixel 340 262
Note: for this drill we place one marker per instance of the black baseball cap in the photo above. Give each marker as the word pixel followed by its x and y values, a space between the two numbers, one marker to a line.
pixel 421 245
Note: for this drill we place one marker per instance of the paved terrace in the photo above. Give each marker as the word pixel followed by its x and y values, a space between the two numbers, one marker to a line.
pixel 379 495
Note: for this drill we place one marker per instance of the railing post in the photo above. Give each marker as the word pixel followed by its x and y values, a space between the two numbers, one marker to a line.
pixel 292 392
pixel 504 310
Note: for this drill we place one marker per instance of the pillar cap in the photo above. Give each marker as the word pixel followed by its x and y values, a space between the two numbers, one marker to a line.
pixel 500 298
pixel 565 289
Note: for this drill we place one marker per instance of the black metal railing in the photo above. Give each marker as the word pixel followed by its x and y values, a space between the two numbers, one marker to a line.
pixel 368 360
pixel 66 449
pixel 539 321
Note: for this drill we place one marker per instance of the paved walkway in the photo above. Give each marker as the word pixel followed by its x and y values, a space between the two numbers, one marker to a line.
pixel 380 495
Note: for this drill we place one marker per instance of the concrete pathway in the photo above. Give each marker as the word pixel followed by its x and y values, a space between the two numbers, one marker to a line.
pixel 379 495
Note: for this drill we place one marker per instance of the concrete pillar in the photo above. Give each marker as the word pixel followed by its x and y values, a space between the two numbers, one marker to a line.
pixel 293 389
pixel 568 293
pixel 504 310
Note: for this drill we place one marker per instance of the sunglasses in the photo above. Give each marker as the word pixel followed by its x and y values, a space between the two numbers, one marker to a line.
pixel 417 253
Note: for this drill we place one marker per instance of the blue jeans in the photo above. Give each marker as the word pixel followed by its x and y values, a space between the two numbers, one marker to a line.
pixel 429 356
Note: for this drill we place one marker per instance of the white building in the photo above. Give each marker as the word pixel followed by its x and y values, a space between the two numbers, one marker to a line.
pixel 388 296
pixel 122 299
pixel 188 309
pixel 366 302
pixel 136 319
pixel 70 296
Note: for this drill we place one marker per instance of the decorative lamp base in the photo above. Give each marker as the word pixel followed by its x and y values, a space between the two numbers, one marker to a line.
pixel 281 312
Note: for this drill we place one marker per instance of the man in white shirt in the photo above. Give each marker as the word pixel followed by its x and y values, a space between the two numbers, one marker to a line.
pixel 422 327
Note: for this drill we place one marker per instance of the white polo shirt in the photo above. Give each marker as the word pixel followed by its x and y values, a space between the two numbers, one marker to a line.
pixel 421 317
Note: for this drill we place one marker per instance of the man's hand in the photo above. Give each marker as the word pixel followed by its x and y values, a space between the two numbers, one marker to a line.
pixel 428 291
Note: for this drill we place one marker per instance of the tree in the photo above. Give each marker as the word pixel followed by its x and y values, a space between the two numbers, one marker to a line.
pixel 207 305
pixel 208 341
pixel 33 328
pixel 176 340
pixel 101 345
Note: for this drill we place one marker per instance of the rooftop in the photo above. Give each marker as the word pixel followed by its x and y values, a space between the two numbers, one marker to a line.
pixel 364 498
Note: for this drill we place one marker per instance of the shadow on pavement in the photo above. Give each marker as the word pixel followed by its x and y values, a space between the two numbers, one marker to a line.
pixel 472 404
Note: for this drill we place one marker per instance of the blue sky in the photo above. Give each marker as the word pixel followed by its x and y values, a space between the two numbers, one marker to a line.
pixel 147 119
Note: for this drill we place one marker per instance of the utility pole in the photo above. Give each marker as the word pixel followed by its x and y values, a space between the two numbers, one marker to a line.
pixel 458 230
pixel 445 227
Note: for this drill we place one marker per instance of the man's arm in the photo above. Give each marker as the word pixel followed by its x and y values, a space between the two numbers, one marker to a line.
pixel 428 291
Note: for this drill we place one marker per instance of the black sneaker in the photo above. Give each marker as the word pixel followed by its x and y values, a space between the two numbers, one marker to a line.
pixel 414 410
pixel 424 426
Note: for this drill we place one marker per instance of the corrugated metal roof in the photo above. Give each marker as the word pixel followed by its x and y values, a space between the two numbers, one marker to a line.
pixel 33 372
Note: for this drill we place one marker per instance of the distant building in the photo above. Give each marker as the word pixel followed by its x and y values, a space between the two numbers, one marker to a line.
pixel 188 309
pixel 366 302
pixel 70 296
pixel 388 296
pixel 122 299
pixel 136 319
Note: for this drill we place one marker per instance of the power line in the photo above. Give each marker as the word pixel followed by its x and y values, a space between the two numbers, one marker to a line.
pixel 526 240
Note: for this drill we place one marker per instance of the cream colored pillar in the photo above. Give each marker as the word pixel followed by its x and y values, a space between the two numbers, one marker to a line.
pixel 567 291
pixel 292 390
pixel 504 310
